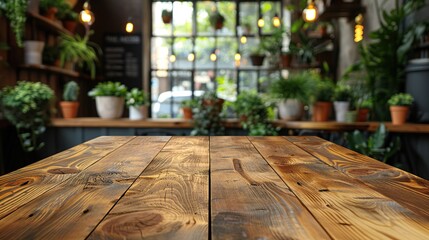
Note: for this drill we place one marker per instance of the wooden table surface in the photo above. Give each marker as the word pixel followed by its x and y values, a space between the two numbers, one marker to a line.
pixel 212 188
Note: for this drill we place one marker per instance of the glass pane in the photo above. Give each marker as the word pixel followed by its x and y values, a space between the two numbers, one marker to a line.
pixel 203 14
pixel 204 80
pixel 160 52
pixel 159 27
pixel 228 11
pixel 266 79
pixel 182 49
pixel 247 49
pixel 181 90
pixel 182 18
pixel 248 81
pixel 226 85
pixel 248 18
pixel 160 85
pixel 268 10
pixel 227 48
pixel 204 47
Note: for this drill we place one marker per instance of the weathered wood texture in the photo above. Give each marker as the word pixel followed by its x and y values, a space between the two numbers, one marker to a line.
pixel 403 187
pixel 25 184
pixel 73 208
pixel 169 200
pixel 345 207
pixel 249 200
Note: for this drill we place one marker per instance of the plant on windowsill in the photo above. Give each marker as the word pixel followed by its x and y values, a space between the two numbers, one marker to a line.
pixel 400 107
pixel 135 101
pixel 257 55
pixel 109 99
pixel 216 20
pixel 253 114
pixel 27 106
pixel 188 107
pixel 70 105
pixel 207 116
pixel 167 16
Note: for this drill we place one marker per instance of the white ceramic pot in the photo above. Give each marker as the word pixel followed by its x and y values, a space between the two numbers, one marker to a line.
pixel 33 52
pixel 109 107
pixel 341 109
pixel 136 112
pixel 291 109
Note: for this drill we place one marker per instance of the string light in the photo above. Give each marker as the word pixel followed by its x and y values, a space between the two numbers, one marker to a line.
pixel 261 22
pixel 213 56
pixel 86 16
pixel 276 21
pixel 237 57
pixel 191 57
pixel 243 39
pixel 309 14
pixel 172 58
pixel 129 27
pixel 358 28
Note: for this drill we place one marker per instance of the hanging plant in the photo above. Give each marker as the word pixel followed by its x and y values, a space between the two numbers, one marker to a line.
pixel 167 16
pixel 216 20
pixel 15 12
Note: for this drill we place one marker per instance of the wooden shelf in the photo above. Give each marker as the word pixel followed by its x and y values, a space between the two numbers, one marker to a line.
pixel 51 69
pixel 48 24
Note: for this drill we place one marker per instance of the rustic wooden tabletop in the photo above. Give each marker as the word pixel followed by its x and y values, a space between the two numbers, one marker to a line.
pixel 212 188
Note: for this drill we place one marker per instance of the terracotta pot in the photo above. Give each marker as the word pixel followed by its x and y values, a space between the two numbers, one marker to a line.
pixel 51 13
pixel 218 25
pixel 362 115
pixel 166 19
pixel 187 113
pixel 399 114
pixel 69 109
pixel 70 25
pixel 322 111
pixel 257 60
pixel 286 60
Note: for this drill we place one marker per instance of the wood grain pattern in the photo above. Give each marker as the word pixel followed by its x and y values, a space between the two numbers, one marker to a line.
pixel 249 200
pixel 405 188
pixel 25 184
pixel 345 207
pixel 77 205
pixel 169 200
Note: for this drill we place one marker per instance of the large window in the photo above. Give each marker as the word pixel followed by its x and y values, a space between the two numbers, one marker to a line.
pixel 190 56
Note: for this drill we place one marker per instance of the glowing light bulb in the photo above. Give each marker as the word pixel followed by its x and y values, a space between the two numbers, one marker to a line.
pixel 191 57
pixel 129 27
pixel 358 28
pixel 243 39
pixel 213 57
pixel 86 16
pixel 261 22
pixel 237 57
pixel 172 58
pixel 276 21
pixel 310 12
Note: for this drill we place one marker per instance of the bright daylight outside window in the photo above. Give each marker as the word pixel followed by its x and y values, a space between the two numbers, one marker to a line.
pixel 205 45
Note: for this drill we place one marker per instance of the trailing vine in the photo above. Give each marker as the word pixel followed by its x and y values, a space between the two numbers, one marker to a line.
pixel 15 11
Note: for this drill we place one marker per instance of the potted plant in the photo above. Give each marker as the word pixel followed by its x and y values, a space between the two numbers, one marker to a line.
pixel 135 101
pixel 342 97
pixel 167 16
pixel 257 55
pixel 109 99
pixel 291 93
pixel 207 116
pixel 49 8
pixel 188 106
pixel 33 52
pixel 70 105
pixel 322 106
pixel 68 17
pixel 27 106
pixel 15 12
pixel 253 114
pixel 364 107
pixel 77 49
pixel 216 20
pixel 399 107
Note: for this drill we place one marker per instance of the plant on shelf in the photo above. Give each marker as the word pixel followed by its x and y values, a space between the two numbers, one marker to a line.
pixel 109 99
pixel 253 114
pixel 291 93
pixel 79 50
pixel 70 105
pixel 188 107
pixel 364 106
pixel 27 106
pixel 257 55
pixel 342 98
pixel 50 55
pixel 135 101
pixel 15 12
pixel 207 116
pixel 68 16
pixel 400 107
pixel 323 95
pixel 216 20
pixel 167 16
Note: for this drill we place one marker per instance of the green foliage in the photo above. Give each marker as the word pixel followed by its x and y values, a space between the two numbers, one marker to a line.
pixel 191 103
pixel 16 12
pixel 343 93
pixel 365 103
pixel 166 13
pixel 216 17
pixel 115 89
pixel 26 106
pixel 253 114
pixel 65 12
pixel 207 116
pixel 324 89
pixel 78 49
pixel 374 146
pixel 71 91
pixel 44 5
pixel 384 57
pixel 135 97
pixel 401 99
pixel 297 86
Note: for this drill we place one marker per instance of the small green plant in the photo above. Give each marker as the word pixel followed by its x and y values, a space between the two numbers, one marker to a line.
pixel 365 103
pixel 297 86
pixel 190 103
pixel 115 89
pixel 207 116
pixel 16 12
pixel 27 106
pixel 44 5
pixel 374 146
pixel 342 93
pixel 71 91
pixel 401 99
pixel 65 12
pixel 135 97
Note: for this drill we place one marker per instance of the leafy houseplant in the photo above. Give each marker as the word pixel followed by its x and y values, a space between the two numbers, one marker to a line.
pixel 109 99
pixel 323 95
pixel 188 106
pixel 135 100
pixel 257 55
pixel 216 20
pixel 68 16
pixel 167 16
pixel 27 106
pixel 15 11
pixel 253 114
pixel 342 98
pixel 70 105
pixel 79 50
pixel 291 93
pixel 399 107
pixel 50 8
pixel 207 116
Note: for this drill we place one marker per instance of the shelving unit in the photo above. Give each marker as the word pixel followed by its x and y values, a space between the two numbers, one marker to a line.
pixel 45 23
pixel 51 69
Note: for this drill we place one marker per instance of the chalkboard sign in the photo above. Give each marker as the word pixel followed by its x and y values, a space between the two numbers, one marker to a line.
pixel 123 59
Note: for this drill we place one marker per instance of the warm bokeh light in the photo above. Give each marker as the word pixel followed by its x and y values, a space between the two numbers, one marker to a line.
pixel 129 27
pixel 310 12
pixel 237 57
pixel 213 57
pixel 358 28
pixel 243 39
pixel 86 16
pixel 191 57
pixel 276 21
pixel 261 22
pixel 172 58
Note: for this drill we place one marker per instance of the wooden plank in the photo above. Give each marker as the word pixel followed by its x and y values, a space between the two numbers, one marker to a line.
pixel 345 207
pixel 169 200
pixel 25 184
pixel 405 188
pixel 77 205
pixel 249 200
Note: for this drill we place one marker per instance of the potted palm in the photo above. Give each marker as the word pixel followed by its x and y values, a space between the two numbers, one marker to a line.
pixel 342 97
pixel 135 101
pixel 291 94
pixel 188 106
pixel 109 99
pixel 399 107
pixel 70 105
pixel 27 106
